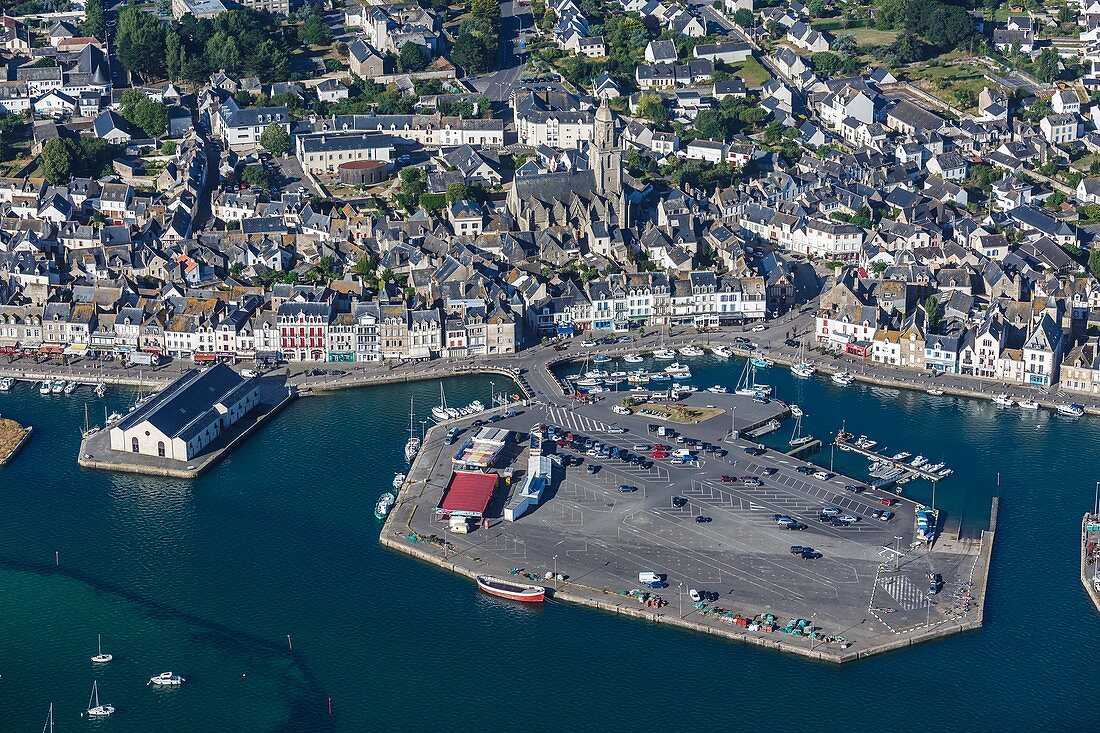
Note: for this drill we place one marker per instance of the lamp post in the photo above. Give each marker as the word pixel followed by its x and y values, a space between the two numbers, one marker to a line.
pixel 492 394
pixel 555 572
pixel 897 552
pixel 680 595
pixel 813 633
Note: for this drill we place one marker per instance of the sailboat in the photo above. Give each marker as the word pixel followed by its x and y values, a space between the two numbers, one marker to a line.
pixel 95 710
pixel 745 381
pixel 439 412
pixel 803 368
pixel 412 445
pixel 797 439
pixel 48 727
pixel 89 430
pixel 101 658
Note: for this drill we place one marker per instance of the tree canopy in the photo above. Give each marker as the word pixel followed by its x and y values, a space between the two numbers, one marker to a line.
pixel 275 139
pixel 145 113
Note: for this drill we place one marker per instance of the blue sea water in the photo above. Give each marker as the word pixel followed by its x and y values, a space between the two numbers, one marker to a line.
pixel 208 578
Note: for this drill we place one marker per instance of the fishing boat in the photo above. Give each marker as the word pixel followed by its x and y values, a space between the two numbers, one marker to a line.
pixel 101 658
pixel 1074 410
pixel 70 387
pixel 843 378
pixel 760 362
pixel 597 374
pixel 6 384
pixel 918 462
pixel 659 378
pixel 166 679
pixel 385 503
pixel 721 350
pixel 439 412
pixel 664 354
pixel 678 370
pixel 796 410
pixel 934 467
pixel 638 377
pixel 691 350
pixel 44 387
pixel 601 359
pixel 512 591
pixel 57 386
pixel 633 359
pixel 398 480
pixel 935 392
pixel 717 389
pixel 114 417
pixel 95 710
pixel 1003 400
pixel 589 382
pixel 100 389
pixel 412 445
pixel 1029 405
pixel 900 456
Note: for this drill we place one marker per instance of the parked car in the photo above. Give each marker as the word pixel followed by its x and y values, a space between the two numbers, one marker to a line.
pixel 822 475
pixel 752 481
pixel 847 518
pixel 759 327
pixel 616 430
pixel 793 343
pixel 830 511
pixel 627 489
pixel 701 519
pixel 799 549
pixel 804 469
pixel 592 468
pixel 887 516
pixel 770 470
pixel 679 502
pixel 755 451
pixel 810 554
pixel 854 488
pixel 727 479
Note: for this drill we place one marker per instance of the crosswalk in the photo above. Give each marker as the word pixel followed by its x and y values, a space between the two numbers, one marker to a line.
pixel 905 595
pixel 571 420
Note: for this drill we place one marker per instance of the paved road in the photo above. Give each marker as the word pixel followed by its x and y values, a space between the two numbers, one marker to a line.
pixel 498 85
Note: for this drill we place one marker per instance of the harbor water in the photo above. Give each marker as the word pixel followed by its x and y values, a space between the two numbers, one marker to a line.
pixel 264 585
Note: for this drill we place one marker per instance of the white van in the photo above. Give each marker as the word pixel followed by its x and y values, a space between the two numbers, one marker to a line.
pixel 682 453
pixel 649 577
pixel 249 373
pixel 662 430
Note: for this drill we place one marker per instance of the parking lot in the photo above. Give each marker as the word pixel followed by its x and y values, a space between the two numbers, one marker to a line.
pixel 862 578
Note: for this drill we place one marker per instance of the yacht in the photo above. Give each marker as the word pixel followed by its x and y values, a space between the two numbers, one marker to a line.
pixel 601 359
pixel 57 386
pixel 70 387
pixel 44 387
pixel 918 462
pixel 935 392
pixel 100 389
pixel 796 411
pixel 166 679
pixel 384 505
pixel 721 350
pixel 398 480
pixel 412 445
pixel 597 374
pixel 1074 410
pixel 439 412
pixel 589 382
pixel 632 359
pixel 1003 400
pixel 6 384
pixel 476 406
pixel 664 354
pixel 95 710
pixel 843 378
pixel 101 658
pixel 691 350
pixel 760 362
pixel 1029 405
pixel 717 389
pixel 637 377
pixel 803 370
pixel 676 369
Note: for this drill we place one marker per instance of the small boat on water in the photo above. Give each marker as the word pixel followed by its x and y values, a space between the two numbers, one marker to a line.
pixel 803 370
pixel 476 406
pixel 6 384
pixel 664 354
pixel 166 679
pixel 918 462
pixel 843 378
pixel 721 350
pixel 659 378
pixel 44 387
pixel 57 386
pixel 589 382
pixel 637 377
pixel 760 362
pixel 900 456
pixel 1029 405
pixel 633 359
pixel 100 389
pixel 70 387
pixel 101 658
pixel 439 412
pixel 398 480
pixel 412 445
pixel 597 374
pixel 95 710
pixel 601 359
pixel 678 370
pixel 717 389
pixel 512 591
pixel 385 503
pixel 114 417
pixel 1003 400
pixel 691 350
pixel 1074 410
pixel 935 392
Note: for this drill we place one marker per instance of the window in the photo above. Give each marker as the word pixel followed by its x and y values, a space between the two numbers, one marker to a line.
pixel 134 445
pixel 160 448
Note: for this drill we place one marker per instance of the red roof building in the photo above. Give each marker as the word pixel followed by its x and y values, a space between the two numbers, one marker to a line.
pixel 468 494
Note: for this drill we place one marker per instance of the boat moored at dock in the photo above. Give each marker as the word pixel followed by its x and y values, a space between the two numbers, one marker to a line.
pixel 385 503
pixel 511 591
pixel 721 350
pixel 6 384
pixel 1003 400
pixel 843 378
pixel 1074 410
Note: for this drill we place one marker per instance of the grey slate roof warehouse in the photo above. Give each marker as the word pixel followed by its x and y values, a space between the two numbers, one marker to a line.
pixel 188 415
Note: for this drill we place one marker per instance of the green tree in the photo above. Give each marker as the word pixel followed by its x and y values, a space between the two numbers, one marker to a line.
pixel 94 23
pixel 139 110
pixel 243 98
pixel 743 17
pixel 366 266
pixel 275 139
pixel 58 157
pixel 457 191
pixel 965 97
pixel 1046 66
pixel 1055 200
pixel 412 58
pixel 255 175
pixel 314 32
pixel 1094 262
pixel 933 313
pixel 907 48
pixel 652 108
pixel 826 63
pixel 141 43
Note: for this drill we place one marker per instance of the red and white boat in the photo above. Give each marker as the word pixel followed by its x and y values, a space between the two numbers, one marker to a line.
pixel 510 590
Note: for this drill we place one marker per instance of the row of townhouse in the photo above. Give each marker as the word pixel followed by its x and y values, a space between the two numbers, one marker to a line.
pixel 206 330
